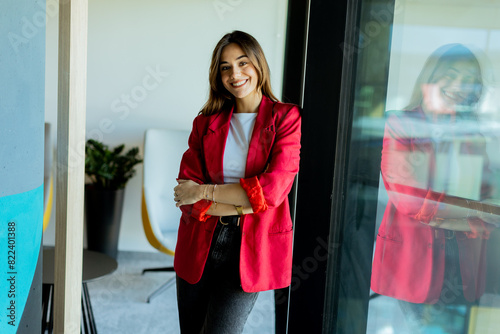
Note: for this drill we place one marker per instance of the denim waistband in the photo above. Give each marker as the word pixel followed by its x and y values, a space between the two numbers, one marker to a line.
pixel 230 220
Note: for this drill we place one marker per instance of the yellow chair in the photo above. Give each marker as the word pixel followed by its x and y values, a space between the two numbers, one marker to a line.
pixel 48 179
pixel 163 151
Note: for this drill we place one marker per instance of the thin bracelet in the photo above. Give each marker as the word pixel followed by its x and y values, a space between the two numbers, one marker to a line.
pixel 435 222
pixel 468 210
pixel 205 192
pixel 213 196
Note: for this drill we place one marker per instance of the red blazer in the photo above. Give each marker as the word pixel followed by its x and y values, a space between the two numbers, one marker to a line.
pixel 409 257
pixel 273 160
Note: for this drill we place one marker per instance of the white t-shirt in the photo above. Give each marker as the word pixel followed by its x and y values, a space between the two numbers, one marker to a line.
pixel 236 151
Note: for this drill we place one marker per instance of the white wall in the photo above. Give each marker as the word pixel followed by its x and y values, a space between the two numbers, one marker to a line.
pixel 129 40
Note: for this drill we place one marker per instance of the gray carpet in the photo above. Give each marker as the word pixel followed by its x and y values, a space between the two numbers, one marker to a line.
pixel 119 300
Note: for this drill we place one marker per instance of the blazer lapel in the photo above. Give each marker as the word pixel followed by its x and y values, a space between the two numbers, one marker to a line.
pixel 262 139
pixel 214 144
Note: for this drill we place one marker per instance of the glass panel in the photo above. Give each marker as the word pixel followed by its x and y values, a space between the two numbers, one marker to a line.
pixel 421 243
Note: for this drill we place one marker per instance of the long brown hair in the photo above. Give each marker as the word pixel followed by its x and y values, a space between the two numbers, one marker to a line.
pixel 219 98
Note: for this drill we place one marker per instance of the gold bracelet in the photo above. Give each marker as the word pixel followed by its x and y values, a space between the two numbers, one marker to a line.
pixel 239 209
pixel 213 196
pixel 205 192
pixel 436 222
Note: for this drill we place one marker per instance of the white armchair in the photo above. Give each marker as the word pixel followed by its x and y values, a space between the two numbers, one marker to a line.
pixel 163 151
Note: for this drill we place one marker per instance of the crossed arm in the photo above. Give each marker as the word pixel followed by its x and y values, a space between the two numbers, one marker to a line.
pixel 402 166
pixel 227 196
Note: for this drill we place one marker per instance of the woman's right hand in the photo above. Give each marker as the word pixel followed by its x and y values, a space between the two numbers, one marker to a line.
pixel 187 192
pixel 489 218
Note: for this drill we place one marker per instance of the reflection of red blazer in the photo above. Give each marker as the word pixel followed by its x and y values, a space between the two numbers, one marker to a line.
pixel 266 237
pixel 409 255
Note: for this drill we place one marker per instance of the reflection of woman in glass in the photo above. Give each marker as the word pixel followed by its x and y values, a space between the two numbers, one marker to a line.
pixel 431 245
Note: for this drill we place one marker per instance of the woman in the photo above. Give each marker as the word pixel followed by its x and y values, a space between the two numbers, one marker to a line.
pixel 431 244
pixel 235 234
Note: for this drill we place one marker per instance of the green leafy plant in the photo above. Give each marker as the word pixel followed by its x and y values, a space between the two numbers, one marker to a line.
pixel 110 169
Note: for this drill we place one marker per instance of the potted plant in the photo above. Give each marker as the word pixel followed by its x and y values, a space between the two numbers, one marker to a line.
pixel 108 170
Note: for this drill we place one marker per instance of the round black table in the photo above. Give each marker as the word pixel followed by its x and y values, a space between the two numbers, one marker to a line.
pixel 95 265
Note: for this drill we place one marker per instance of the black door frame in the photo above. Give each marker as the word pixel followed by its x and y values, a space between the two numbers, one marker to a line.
pixel 325 34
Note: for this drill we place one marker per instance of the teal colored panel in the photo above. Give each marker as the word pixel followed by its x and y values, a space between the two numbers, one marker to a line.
pixel 21 220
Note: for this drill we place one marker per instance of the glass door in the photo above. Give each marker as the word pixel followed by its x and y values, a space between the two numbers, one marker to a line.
pixel 418 227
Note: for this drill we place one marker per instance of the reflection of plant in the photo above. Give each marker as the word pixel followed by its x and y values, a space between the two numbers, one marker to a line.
pixel 108 169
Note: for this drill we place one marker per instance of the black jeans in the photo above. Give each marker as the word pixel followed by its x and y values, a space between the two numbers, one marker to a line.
pixel 450 313
pixel 217 303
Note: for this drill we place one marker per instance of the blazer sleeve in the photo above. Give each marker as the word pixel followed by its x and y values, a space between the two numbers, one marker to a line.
pixel 406 161
pixel 192 168
pixel 270 188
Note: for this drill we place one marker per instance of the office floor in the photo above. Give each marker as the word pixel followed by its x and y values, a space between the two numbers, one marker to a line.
pixel 119 300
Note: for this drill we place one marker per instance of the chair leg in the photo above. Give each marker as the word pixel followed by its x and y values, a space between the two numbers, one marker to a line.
pixel 87 312
pixel 47 300
pixel 158 269
pixel 162 288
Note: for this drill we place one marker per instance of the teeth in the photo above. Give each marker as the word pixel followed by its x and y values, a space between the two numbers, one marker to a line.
pixel 237 84
pixel 450 95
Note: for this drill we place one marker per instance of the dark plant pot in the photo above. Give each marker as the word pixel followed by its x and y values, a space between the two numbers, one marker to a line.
pixel 103 212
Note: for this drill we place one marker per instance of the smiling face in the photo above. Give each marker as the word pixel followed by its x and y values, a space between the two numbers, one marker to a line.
pixel 458 83
pixel 455 89
pixel 237 73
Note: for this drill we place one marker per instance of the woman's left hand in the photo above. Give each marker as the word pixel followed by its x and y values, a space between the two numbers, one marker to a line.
pixel 187 192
